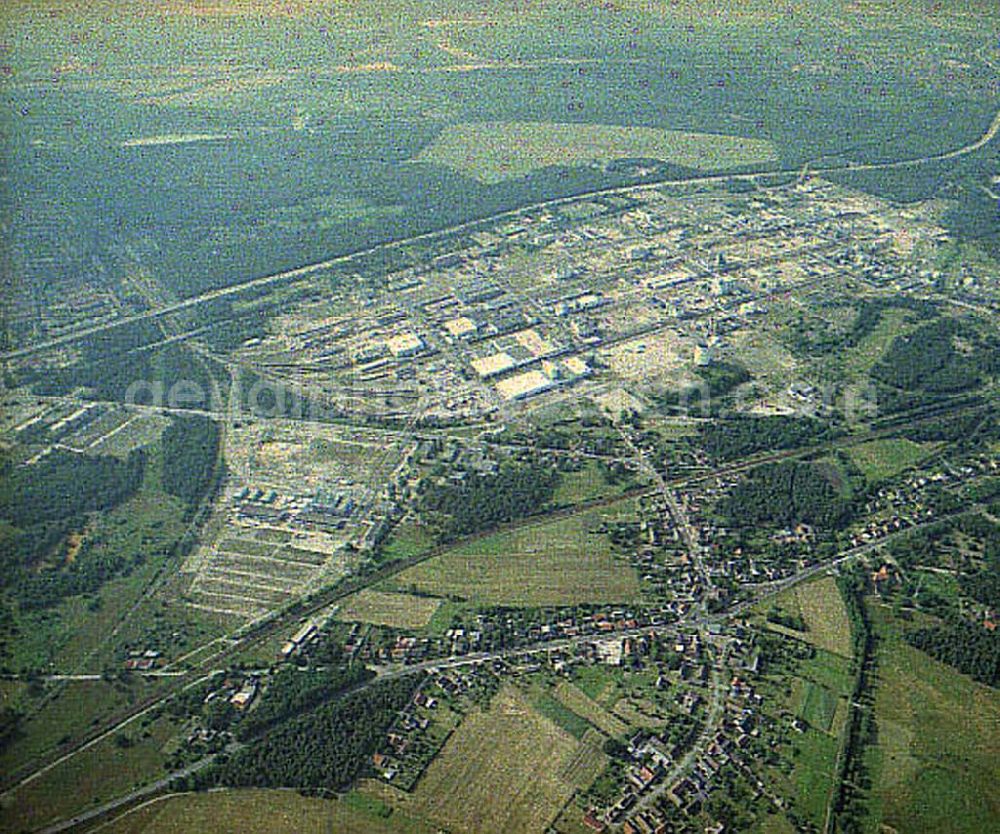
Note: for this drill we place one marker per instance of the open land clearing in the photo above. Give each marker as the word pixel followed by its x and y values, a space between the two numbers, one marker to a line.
pixel 817 691
pixel 819 705
pixel 884 458
pixel 860 358
pixel 560 562
pixel 395 610
pixel 495 151
pixel 582 705
pixel 263 812
pixel 504 769
pixel 656 355
pixel 821 608
pixel 937 763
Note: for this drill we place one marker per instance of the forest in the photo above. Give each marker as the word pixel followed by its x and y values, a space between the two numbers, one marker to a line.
pixel 294 691
pixel 326 748
pixel 190 452
pixel 785 494
pixel 739 436
pixel 481 502
pixel 65 484
pixel 969 647
pixel 723 377
pixel 42 504
pixel 929 359
pixel 119 365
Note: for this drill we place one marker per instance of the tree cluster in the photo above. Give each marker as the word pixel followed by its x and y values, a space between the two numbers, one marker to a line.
pixel 723 377
pixel 293 692
pixel 42 504
pixel 327 748
pixel 65 485
pixel 966 646
pixel 740 436
pixel 928 359
pixel 482 502
pixel 190 455
pixel 785 494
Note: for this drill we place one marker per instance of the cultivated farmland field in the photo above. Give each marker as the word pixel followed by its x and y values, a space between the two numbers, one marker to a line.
pixel 395 610
pixel 560 562
pixel 504 769
pixel 818 707
pixel 825 616
pixel 495 151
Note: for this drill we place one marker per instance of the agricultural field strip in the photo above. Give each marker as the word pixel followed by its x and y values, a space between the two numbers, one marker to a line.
pixel 234 289
pixel 263 580
pixel 291 565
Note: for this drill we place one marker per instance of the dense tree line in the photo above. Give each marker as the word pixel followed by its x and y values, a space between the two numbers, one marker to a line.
pixel 190 456
pixel 968 647
pixel 327 748
pixel 482 502
pixel 112 367
pixel 64 485
pixel 785 494
pixel 861 730
pixel 927 359
pixel 951 428
pixel 983 586
pixel 740 436
pixel 10 721
pixel 293 691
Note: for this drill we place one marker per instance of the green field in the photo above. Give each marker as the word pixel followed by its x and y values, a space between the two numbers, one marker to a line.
pixel 491 152
pixel 880 459
pixel 559 562
pixel 99 773
pixel 558 713
pixel 937 762
pixel 584 485
pixel 395 610
pixel 814 760
pixel 859 359
pixel 815 689
pixel 408 539
pixel 821 608
pixel 818 707
pixel 831 671
pixel 582 704
pixel 264 812
pixel 825 616
pixel 599 683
